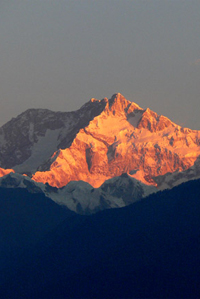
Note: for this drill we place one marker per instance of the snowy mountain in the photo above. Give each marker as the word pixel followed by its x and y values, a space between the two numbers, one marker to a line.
pixel 80 196
pixel 123 138
pixel 98 156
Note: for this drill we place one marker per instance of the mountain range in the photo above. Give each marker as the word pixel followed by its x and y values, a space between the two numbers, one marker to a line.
pixel 79 153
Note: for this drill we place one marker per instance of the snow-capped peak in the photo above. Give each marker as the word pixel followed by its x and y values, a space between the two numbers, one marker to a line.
pixel 101 140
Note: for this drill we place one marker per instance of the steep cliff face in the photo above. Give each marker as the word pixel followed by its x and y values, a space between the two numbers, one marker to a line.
pixel 122 138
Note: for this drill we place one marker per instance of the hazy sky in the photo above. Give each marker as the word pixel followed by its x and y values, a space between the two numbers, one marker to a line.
pixel 59 54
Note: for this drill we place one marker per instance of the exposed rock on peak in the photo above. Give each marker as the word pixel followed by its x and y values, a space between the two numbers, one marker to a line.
pixel 119 104
pixel 118 101
pixel 154 122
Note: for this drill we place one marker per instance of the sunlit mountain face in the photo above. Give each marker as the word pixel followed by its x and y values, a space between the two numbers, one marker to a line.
pixel 103 139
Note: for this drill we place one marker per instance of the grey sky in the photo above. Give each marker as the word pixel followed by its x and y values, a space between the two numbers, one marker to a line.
pixel 59 54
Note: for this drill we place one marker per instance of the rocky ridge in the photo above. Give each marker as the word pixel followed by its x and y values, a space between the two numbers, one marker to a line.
pixel 28 140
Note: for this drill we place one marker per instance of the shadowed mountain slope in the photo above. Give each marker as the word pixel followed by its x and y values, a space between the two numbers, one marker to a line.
pixel 24 219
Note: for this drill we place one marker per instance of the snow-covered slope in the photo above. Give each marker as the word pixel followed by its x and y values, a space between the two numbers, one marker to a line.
pixel 81 197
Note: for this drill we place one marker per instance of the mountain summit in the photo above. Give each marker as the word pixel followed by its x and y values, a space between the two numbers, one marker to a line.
pixel 103 139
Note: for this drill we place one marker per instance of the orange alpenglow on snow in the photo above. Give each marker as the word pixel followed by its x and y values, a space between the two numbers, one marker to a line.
pixel 123 138
pixel 5 171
